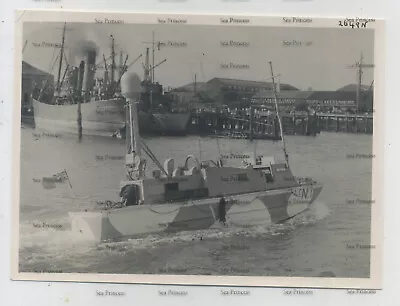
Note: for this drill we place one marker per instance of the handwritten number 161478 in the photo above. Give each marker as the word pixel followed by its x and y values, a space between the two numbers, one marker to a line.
pixel 353 24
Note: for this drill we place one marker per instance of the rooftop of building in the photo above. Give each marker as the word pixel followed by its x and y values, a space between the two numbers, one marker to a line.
pixel 353 87
pixel 190 87
pixel 28 69
pixel 238 82
pixel 284 94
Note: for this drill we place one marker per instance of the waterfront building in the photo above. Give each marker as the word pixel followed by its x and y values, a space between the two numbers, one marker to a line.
pixel 224 91
pixel 237 92
pixel 340 101
pixel 31 77
pixel 288 100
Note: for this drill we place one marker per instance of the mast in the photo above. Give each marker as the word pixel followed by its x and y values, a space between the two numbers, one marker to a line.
pixel 360 67
pixel 251 133
pixel 123 70
pixel 279 117
pixel 135 163
pixel 359 82
pixel 105 81
pixel 105 63
pixel 147 67
pixel 251 122
pixel 151 67
pixel 79 111
pixel 61 58
pixel 79 120
pixel 23 49
pixel 65 73
pixel 112 59
pixel 152 72
pixel 121 63
pixel 134 136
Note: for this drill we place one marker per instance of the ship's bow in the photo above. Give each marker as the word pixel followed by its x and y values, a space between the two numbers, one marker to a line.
pixel 87 225
pixel 172 123
pixel 287 203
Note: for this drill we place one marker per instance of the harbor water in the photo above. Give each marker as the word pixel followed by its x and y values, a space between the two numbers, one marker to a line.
pixel 327 239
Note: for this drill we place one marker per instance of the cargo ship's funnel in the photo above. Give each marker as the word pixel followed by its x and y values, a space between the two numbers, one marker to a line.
pixel 81 72
pixel 88 78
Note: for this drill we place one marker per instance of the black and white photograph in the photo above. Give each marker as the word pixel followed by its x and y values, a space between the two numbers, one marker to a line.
pixel 232 151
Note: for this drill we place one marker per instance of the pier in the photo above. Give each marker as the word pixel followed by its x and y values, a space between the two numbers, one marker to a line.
pixel 347 123
pixel 234 126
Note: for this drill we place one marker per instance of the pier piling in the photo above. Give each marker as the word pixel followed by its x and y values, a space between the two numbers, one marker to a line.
pixel 224 124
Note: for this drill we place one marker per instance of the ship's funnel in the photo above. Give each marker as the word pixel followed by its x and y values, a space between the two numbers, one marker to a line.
pixel 80 76
pixel 86 50
pixel 90 62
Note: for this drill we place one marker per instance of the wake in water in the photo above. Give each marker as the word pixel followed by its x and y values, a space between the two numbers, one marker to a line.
pixel 48 242
pixel 317 212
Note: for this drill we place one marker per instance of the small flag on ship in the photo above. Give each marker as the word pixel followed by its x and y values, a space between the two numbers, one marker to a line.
pixel 51 182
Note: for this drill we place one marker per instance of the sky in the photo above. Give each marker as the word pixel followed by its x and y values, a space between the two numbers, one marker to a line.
pixel 320 62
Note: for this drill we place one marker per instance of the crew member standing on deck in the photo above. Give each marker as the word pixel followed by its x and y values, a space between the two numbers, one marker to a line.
pixel 222 210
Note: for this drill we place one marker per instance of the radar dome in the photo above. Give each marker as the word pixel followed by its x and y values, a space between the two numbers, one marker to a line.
pixel 131 86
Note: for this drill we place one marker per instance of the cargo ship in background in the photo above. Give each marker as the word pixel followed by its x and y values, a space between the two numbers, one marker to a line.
pixel 79 102
pixel 97 101
pixel 157 113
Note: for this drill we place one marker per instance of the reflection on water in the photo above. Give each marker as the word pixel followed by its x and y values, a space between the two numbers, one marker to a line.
pixel 308 245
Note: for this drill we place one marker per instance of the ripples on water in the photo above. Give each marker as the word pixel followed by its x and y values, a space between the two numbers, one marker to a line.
pixel 307 245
